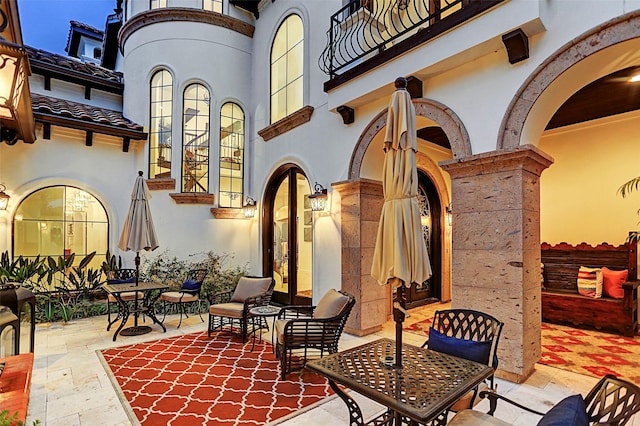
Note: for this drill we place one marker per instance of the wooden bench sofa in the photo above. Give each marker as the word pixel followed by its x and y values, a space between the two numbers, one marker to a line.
pixel 561 302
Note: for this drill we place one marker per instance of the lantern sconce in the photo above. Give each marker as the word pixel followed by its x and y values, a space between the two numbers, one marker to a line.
pixel 249 208
pixel 16 122
pixel 449 211
pixel 4 198
pixel 319 198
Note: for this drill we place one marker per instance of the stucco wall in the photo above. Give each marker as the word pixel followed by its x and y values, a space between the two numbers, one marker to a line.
pixel 578 193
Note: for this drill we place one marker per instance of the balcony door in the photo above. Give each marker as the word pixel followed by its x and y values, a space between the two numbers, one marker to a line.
pixel 287 250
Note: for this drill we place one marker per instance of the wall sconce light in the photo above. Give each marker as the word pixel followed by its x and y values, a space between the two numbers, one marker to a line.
pixel 449 212
pixel 319 198
pixel 517 45
pixel 14 71
pixel 249 207
pixel 4 198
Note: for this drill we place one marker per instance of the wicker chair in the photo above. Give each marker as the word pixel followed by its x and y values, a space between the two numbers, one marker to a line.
pixel 120 276
pixel 189 293
pixel 454 330
pixel 307 332
pixel 230 310
pixel 611 401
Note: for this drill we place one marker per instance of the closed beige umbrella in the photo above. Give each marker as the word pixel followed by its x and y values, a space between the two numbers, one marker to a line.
pixel 400 255
pixel 138 234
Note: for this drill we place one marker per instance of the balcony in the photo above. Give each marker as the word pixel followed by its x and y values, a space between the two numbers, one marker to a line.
pixel 367 33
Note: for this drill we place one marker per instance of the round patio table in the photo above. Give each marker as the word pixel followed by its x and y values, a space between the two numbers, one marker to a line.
pixel 260 313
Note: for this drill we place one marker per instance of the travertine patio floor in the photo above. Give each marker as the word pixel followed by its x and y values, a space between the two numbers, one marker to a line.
pixel 70 387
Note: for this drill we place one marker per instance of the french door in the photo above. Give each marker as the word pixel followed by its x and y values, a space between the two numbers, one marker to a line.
pixel 287 239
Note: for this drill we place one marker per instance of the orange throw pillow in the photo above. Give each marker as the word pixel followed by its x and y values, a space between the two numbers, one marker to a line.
pixel 612 282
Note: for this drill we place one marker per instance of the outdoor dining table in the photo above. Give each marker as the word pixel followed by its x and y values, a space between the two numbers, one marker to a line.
pixel 428 383
pixel 145 305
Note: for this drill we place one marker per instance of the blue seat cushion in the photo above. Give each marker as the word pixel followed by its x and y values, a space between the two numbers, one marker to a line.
pixel 571 411
pixel 123 281
pixel 191 285
pixel 462 348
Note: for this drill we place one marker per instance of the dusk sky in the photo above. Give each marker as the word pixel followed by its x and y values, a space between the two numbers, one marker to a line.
pixel 45 23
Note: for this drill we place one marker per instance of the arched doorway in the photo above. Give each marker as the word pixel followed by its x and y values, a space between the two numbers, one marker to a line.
pixel 287 239
pixel 431 219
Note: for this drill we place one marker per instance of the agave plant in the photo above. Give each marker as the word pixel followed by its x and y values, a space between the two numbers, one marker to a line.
pixel 624 190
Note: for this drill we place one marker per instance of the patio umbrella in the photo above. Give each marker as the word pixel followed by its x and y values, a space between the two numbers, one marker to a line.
pixel 400 255
pixel 138 234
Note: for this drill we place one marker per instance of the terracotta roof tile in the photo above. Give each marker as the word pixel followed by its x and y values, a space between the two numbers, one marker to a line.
pixel 64 108
pixel 48 58
pixel 86 27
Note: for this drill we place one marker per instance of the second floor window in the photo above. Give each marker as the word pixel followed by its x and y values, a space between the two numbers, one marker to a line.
pixel 287 54
pixel 158 4
pixel 231 155
pixel 212 5
pixel 161 100
pixel 195 139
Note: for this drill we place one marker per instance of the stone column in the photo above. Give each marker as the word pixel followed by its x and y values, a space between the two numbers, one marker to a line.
pixel 361 206
pixel 496 247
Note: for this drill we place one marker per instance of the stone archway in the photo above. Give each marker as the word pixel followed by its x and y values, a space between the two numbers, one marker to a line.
pixel 605 40
pixel 433 110
pixel 361 204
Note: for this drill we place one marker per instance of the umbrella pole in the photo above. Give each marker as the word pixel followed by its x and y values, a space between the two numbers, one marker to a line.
pixel 398 315
pixel 135 314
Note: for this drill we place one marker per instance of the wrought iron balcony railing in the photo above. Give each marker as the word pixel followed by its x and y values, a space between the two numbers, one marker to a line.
pixel 364 29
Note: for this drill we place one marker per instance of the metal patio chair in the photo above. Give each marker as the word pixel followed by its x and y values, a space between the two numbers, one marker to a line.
pixel 229 311
pixel 611 401
pixel 307 332
pixel 189 293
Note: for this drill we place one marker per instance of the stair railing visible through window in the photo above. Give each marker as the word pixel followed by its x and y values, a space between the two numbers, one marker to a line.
pixel 364 28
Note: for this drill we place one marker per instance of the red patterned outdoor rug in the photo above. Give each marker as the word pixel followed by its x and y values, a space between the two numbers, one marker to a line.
pixel 581 351
pixel 591 352
pixel 197 380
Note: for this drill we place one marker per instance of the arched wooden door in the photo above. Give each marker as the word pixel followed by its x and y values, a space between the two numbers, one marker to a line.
pixel 287 227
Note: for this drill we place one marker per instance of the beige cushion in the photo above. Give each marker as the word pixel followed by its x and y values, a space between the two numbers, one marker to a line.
pixel 314 328
pixel 280 325
pixel 178 296
pixel 475 418
pixel 331 304
pixel 250 287
pixel 127 296
pixel 233 310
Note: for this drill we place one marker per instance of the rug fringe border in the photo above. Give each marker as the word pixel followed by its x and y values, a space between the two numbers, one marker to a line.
pixel 116 387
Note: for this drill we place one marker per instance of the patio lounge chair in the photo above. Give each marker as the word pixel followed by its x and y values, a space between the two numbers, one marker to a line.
pixel 189 293
pixel 120 276
pixel 307 332
pixel 230 309
pixel 467 334
pixel 611 401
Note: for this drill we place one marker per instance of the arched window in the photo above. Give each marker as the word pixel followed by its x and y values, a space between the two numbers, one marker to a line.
pixel 60 220
pixel 212 5
pixel 195 139
pixel 160 125
pixel 158 4
pixel 287 55
pixel 231 155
